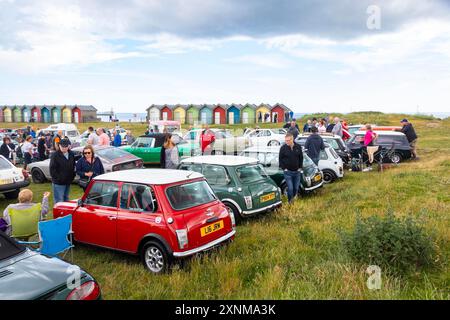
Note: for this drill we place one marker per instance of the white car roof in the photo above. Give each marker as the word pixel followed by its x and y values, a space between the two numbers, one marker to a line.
pixel 267 149
pixel 224 160
pixel 382 132
pixel 150 176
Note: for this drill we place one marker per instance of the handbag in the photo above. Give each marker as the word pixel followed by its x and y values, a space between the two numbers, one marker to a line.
pixel 84 182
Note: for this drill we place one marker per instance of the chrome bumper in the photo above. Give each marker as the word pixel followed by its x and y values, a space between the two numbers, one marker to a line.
pixel 204 247
pixel 315 187
pixel 272 206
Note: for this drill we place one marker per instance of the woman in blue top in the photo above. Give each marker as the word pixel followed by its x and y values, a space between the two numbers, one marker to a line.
pixel 89 166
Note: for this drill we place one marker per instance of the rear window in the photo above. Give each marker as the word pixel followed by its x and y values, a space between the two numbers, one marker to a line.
pixel 111 153
pixel 252 173
pixel 190 195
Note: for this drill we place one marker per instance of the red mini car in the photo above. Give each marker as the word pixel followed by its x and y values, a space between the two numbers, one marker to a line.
pixel 159 214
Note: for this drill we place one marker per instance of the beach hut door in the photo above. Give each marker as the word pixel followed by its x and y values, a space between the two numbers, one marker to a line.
pixel 217 117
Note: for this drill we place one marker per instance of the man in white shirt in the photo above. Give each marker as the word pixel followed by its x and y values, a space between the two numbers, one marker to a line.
pixel 93 138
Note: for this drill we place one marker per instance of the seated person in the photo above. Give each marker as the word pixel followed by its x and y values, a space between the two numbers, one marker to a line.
pixel 25 202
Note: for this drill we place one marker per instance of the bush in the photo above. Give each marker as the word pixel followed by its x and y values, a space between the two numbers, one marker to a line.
pixel 400 245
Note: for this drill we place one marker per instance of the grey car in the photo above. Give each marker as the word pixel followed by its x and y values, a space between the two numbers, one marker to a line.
pixel 29 275
pixel 113 159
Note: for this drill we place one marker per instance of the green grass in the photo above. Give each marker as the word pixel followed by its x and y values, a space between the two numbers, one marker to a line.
pixel 296 252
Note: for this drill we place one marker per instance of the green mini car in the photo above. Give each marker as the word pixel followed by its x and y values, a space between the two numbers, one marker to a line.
pixel 148 147
pixel 311 178
pixel 239 182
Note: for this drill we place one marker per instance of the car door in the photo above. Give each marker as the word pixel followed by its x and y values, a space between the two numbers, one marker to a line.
pixel 95 222
pixel 138 216
pixel 218 179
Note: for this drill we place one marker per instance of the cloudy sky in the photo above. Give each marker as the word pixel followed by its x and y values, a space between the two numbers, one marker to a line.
pixel 312 55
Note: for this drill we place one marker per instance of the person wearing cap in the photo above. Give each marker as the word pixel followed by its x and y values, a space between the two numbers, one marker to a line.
pixel 410 133
pixel 62 171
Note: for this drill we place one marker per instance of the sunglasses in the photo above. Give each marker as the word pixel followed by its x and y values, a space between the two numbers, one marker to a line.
pixel 87 152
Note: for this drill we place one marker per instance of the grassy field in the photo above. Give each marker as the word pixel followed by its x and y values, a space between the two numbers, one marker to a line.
pixel 296 252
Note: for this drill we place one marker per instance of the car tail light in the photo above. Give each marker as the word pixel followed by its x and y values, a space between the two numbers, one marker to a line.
pixel 182 237
pixel 87 291
pixel 233 219
pixel 25 174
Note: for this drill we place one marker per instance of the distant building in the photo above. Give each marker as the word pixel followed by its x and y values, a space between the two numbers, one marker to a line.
pixel 220 113
pixel 48 114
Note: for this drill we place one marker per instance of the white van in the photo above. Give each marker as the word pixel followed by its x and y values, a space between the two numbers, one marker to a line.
pixel 68 129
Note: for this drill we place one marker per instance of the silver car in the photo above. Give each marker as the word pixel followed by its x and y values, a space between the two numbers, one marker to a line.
pixel 112 158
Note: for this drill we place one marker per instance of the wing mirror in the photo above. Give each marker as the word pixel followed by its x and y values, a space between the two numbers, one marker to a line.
pixel 80 202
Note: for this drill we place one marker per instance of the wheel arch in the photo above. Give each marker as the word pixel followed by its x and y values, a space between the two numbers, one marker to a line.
pixel 234 203
pixel 154 237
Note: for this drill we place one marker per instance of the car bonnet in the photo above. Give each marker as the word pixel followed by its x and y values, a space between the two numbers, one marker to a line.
pixel 33 276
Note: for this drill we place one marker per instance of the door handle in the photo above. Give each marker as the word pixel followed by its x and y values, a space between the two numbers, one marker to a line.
pixel 112 217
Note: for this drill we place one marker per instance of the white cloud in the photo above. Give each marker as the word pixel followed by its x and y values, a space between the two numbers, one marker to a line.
pixel 263 60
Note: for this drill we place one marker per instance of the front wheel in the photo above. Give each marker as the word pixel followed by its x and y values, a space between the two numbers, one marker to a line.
pixel 328 176
pixel 37 176
pixel 155 258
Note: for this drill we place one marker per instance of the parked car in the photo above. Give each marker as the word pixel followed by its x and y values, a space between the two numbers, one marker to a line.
pixel 148 147
pixel 28 275
pixel 395 142
pixel 334 141
pixel 112 158
pixel 68 130
pixel 268 156
pixel 225 143
pixel 159 214
pixel 240 183
pixel 266 137
pixel 12 179
pixel 162 126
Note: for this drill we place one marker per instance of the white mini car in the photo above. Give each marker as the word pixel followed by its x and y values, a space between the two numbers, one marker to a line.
pixel 330 164
pixel 266 137
pixel 11 179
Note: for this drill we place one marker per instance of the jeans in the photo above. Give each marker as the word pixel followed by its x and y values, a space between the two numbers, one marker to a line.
pixel 60 192
pixel 293 183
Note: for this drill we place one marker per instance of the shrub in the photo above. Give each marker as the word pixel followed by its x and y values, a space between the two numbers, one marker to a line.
pixel 400 245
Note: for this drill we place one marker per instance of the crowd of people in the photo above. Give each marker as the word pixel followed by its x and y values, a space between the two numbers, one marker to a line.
pixel 63 166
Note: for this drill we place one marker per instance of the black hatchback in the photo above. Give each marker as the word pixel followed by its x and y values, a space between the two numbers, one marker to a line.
pixel 395 145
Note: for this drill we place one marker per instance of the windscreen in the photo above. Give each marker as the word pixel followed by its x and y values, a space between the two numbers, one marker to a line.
pixel 190 195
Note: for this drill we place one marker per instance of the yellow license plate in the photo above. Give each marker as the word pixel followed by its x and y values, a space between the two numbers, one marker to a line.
pixel 267 197
pixel 213 227
pixel 6 181
pixel 317 178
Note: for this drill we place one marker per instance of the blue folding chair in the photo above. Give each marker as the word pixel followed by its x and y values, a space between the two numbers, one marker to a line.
pixel 55 237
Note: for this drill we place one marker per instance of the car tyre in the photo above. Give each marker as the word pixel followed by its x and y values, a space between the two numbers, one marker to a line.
pixel 329 176
pixel 155 257
pixel 231 208
pixel 38 176
pixel 395 158
pixel 12 194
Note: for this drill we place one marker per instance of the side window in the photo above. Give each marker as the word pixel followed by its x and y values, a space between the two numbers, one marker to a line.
pixel 323 155
pixel 103 194
pixel 216 175
pixel 138 197
pixel 191 167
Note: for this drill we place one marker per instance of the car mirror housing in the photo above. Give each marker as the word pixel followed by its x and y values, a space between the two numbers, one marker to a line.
pixel 80 202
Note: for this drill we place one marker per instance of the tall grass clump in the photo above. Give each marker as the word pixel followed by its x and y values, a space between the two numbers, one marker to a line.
pixel 400 245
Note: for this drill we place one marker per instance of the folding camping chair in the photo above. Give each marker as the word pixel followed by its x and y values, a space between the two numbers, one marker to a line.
pixel 55 237
pixel 24 222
